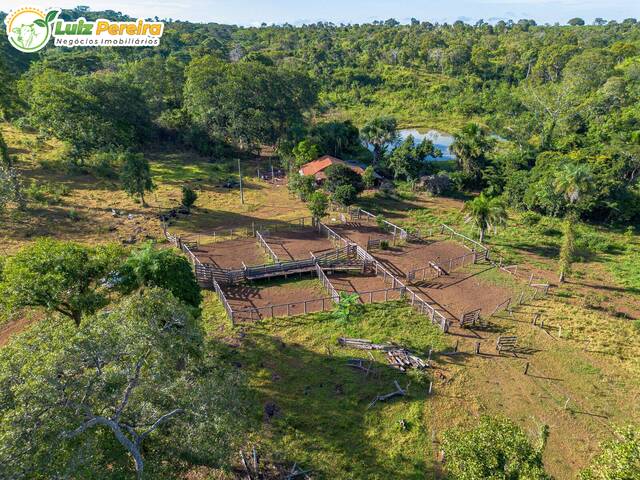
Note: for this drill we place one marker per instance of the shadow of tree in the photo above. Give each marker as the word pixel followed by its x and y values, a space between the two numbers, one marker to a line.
pixel 315 408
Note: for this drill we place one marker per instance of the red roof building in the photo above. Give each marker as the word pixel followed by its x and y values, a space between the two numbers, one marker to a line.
pixel 317 167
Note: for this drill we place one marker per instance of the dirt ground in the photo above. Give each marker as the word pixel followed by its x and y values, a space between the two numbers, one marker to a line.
pixel 402 258
pixel 294 291
pixel 357 283
pixel 297 244
pixel 459 292
pixel 231 253
pixel 463 291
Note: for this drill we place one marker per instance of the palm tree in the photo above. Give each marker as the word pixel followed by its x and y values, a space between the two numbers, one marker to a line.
pixel 470 147
pixel 572 181
pixel 379 132
pixel 485 213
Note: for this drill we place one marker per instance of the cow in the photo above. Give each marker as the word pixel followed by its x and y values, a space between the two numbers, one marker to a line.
pixel 26 34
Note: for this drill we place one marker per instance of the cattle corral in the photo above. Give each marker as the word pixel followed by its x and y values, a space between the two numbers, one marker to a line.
pixel 438 273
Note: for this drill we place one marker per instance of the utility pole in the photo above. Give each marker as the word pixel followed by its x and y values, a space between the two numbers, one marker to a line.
pixel 273 178
pixel 241 190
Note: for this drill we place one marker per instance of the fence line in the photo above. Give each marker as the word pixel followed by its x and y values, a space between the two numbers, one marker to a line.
pixel 326 283
pixel 223 300
pixel 417 302
pixel 331 235
pixel 443 267
pixel 477 246
pixel 266 247
pixel 302 307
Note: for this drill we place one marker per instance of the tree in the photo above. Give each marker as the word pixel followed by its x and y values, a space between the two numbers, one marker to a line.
pixel 619 459
pixel 368 177
pixel 91 112
pixel 339 174
pixel 471 146
pixel 345 195
pixel 303 185
pixel 576 22
pixel 247 103
pixel 111 398
pixel 305 152
pixel 496 449
pixel 64 277
pixel 407 160
pixel 485 213
pixel 380 132
pixel 152 267
pixel 10 179
pixel 336 138
pixel 572 182
pixel 189 197
pixel 318 204
pixel 136 175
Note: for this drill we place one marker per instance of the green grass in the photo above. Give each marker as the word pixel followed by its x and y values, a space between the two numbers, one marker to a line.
pixel 323 422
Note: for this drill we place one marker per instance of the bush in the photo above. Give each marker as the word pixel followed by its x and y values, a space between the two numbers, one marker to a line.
pixel 338 175
pixel 166 269
pixel 46 193
pixel 531 218
pixel 104 164
pixel 496 448
pixel 189 197
pixel 368 178
pixel 345 195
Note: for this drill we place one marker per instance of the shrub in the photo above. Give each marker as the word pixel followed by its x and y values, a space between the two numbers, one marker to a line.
pixel 345 195
pixel 189 197
pixel 496 448
pixel 104 164
pixel 338 175
pixel 531 218
pixel 368 178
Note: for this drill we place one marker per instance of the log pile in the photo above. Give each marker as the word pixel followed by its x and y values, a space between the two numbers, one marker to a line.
pixel 403 359
pixel 363 344
pixel 398 357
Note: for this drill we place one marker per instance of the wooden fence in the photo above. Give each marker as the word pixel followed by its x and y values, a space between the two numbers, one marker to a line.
pixel 302 307
pixel 467 242
pixel 223 300
pixel 331 235
pixel 327 284
pixel 414 299
pixel 265 246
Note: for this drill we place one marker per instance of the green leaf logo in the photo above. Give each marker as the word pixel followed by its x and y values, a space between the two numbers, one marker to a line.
pixel 51 16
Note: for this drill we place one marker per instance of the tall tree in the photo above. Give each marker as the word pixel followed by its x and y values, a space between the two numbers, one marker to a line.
pixel 63 277
pixel 485 213
pixel 380 133
pixel 128 393
pixel 247 103
pixel 572 182
pixel 471 146
pixel 407 159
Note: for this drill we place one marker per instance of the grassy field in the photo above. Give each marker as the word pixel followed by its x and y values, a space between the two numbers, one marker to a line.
pixel 76 206
pixel 321 420
pixel 584 365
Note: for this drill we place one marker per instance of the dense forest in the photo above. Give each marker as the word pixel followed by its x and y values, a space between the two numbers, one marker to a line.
pixel 554 95
pixel 545 119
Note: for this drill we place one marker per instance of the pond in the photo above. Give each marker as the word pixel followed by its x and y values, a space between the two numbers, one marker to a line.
pixel 442 141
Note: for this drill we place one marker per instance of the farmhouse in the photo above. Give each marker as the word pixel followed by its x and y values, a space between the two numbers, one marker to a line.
pixel 317 167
